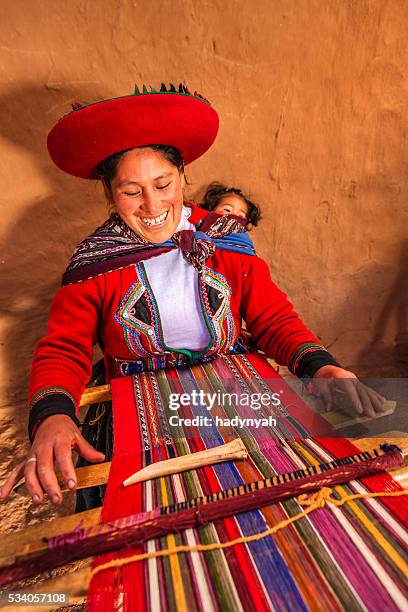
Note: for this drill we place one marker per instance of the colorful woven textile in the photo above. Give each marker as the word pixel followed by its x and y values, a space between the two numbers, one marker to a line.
pixel 114 245
pixel 352 557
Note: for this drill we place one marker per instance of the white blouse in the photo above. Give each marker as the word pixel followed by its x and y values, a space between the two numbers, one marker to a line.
pixel 174 283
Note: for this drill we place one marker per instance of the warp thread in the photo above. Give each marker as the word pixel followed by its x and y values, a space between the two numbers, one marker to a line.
pixel 312 502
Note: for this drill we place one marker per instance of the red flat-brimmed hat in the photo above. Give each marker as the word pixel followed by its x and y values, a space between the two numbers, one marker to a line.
pixel 92 132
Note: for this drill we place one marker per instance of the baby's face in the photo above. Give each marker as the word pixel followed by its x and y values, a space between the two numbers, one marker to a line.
pixel 232 205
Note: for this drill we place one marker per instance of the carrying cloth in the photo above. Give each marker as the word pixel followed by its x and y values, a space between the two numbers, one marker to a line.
pixel 114 245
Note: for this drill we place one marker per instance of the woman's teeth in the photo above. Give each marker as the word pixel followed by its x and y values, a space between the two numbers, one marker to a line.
pixel 156 220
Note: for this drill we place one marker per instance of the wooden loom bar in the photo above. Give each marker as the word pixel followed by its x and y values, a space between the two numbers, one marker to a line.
pixel 76 581
pixel 92 395
pixel 31 539
pixel 87 476
pixel 132 531
pixel 100 473
pixel 96 475
pixel 90 476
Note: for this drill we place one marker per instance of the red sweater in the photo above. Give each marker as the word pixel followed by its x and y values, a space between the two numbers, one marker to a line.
pixel 101 308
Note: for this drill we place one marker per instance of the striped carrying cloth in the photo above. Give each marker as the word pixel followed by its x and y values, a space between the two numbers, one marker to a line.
pixel 352 557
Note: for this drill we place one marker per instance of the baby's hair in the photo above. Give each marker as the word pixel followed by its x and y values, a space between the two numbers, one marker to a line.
pixel 216 191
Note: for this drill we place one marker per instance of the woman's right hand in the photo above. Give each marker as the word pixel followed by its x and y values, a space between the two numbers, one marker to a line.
pixel 56 437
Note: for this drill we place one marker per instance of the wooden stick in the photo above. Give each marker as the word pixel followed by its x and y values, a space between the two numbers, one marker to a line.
pixel 82 543
pixel 91 395
pixel 87 476
pixel 225 452
pixel 397 438
pixel 31 539
pixel 340 420
pixel 76 584
pixel 96 475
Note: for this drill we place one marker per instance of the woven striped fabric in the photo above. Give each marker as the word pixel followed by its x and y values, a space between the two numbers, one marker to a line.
pixel 352 557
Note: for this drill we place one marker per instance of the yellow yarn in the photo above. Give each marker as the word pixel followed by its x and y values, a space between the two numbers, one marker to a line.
pixel 174 561
pixel 312 502
pixel 100 412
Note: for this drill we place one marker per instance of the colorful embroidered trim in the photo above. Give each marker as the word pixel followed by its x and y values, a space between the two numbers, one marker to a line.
pixel 50 391
pixel 145 337
pixel 304 349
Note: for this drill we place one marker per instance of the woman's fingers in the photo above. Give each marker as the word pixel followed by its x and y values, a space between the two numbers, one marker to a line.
pixel 324 391
pixel 54 440
pixel 63 457
pixel 87 451
pixel 349 387
pixel 12 480
pixel 378 401
pixel 46 475
pixel 365 399
pixel 33 485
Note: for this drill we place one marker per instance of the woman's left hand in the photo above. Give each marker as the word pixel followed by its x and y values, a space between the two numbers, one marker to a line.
pixel 365 401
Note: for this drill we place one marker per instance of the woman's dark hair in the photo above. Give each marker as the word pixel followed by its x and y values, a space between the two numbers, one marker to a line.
pixel 106 169
pixel 216 191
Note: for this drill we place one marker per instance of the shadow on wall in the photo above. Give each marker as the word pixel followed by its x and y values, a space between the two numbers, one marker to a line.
pixel 393 313
pixel 43 230
pixel 382 346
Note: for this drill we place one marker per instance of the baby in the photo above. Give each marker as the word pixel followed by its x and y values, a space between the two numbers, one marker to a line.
pixel 231 201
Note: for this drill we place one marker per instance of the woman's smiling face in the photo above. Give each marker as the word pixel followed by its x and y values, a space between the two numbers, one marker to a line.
pixel 147 191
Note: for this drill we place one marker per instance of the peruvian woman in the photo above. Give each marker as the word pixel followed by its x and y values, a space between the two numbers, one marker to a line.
pixel 160 284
